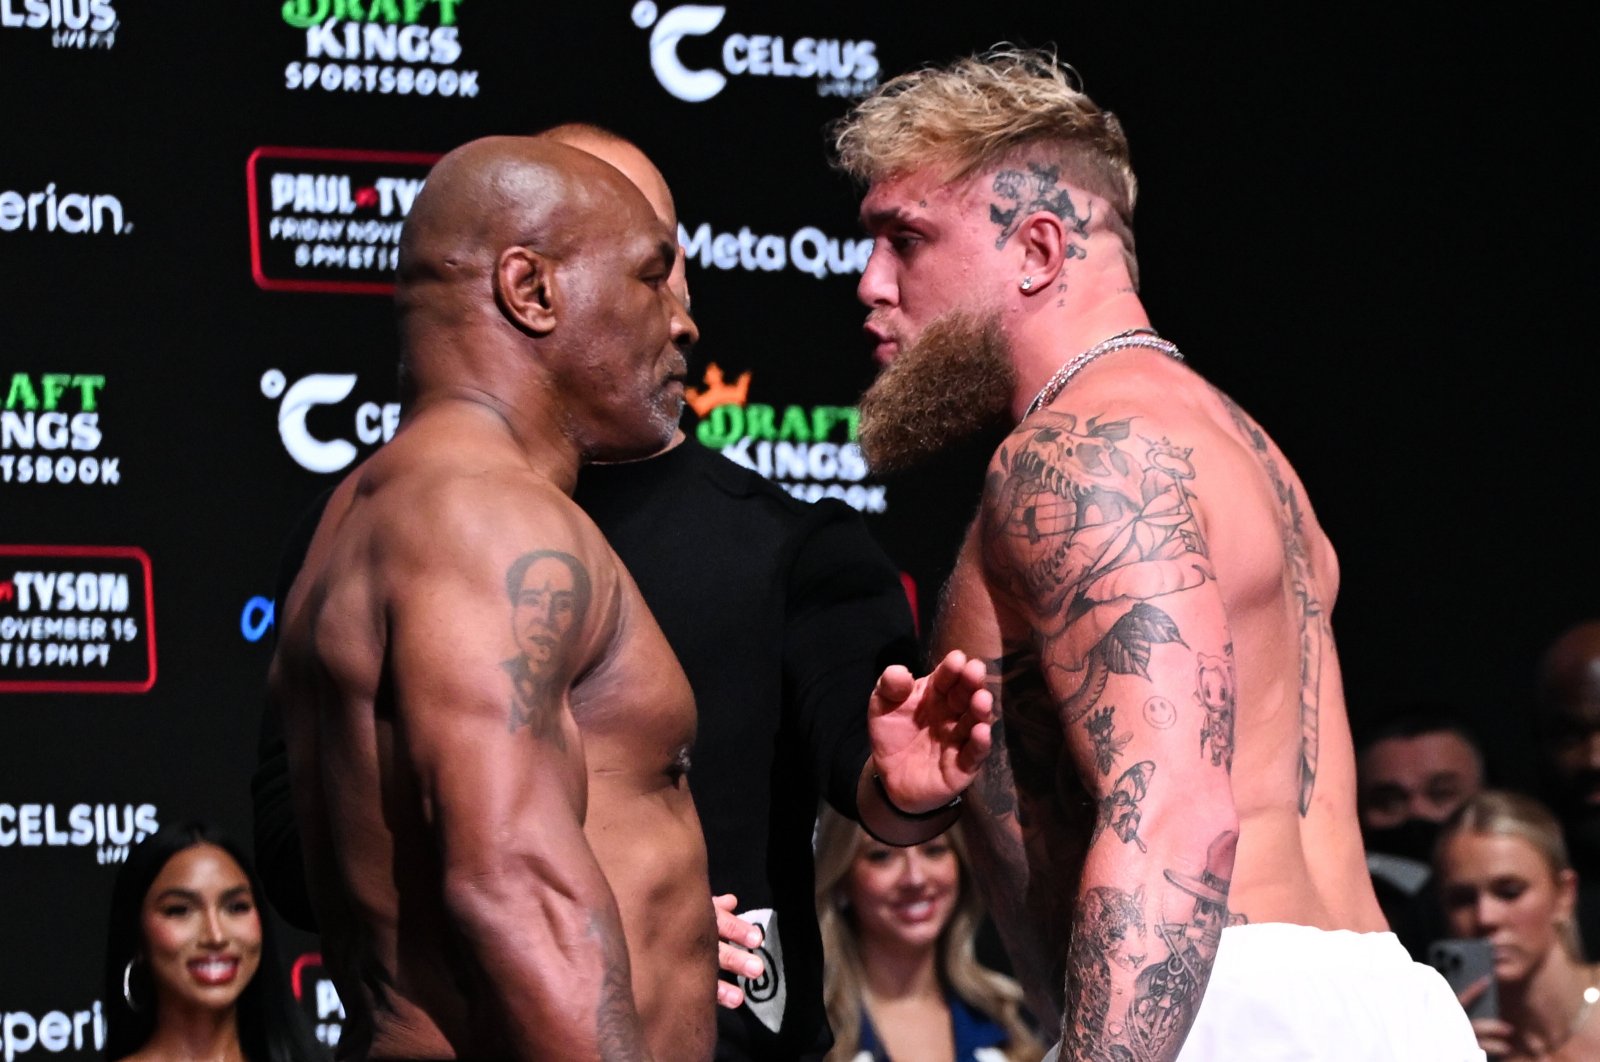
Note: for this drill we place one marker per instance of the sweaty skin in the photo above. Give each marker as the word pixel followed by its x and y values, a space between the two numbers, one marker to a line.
pixel 1151 593
pixel 488 736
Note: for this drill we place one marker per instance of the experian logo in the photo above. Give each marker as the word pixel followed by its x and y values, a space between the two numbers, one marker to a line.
pixel 840 67
pixel 74 213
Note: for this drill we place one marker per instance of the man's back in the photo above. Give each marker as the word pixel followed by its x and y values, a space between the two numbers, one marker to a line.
pixel 472 706
pixel 1136 490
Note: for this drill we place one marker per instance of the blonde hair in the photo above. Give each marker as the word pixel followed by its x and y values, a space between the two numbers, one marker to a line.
pixel 1499 812
pixel 989 992
pixel 980 112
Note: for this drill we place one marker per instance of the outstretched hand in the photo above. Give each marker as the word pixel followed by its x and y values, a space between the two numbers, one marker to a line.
pixel 931 734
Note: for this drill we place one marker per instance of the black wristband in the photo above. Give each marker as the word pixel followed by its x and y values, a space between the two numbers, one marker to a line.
pixel 911 816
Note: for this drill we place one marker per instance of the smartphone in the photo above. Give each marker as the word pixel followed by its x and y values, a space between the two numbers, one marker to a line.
pixel 1464 961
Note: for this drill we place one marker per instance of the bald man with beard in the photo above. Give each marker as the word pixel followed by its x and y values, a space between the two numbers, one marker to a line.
pixel 487 734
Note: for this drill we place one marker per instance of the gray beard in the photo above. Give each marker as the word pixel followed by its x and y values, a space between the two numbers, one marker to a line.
pixel 956 380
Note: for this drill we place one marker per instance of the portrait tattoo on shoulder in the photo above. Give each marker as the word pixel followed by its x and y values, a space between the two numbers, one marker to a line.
pixel 1312 619
pixel 550 594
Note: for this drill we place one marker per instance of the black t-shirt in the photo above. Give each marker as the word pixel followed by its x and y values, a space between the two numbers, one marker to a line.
pixel 782 614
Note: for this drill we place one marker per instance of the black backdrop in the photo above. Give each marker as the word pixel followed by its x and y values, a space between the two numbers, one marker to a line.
pixel 1372 229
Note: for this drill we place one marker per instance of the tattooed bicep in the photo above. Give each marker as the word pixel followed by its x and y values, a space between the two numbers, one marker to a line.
pixel 549 594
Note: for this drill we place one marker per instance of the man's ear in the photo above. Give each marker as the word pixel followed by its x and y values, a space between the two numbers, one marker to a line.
pixel 525 290
pixel 1045 249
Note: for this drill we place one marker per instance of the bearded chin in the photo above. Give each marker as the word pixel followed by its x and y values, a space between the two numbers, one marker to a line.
pixel 953 382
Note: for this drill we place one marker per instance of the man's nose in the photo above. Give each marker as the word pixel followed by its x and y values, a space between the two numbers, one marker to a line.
pixel 685 333
pixel 876 288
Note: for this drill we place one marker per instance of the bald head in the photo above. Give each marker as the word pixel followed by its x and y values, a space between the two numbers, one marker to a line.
pixel 501 192
pixel 636 166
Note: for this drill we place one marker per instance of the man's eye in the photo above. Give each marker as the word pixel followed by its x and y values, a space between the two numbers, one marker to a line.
pixel 904 241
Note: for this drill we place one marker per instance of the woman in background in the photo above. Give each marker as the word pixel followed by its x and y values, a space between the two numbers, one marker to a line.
pixel 1504 876
pixel 901 981
pixel 191 972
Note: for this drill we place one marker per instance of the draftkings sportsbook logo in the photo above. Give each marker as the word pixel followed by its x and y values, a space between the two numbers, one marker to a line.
pixel 50 430
pixel 76 619
pixel 687 67
pixel 389 47
pixel 811 452
pixel 81 24
pixel 324 219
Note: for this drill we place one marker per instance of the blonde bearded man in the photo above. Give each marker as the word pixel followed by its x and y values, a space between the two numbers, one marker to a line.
pixel 1169 838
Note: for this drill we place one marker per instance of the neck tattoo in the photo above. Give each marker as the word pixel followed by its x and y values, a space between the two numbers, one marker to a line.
pixel 1133 337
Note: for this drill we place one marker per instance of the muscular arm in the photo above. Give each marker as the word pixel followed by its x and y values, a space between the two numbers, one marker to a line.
pixel 1090 531
pixel 481 683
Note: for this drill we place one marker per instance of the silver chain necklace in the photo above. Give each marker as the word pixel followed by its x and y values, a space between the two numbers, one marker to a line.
pixel 1133 337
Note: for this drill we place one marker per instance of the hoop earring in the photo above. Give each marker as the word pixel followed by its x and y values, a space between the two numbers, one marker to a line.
pixel 127 985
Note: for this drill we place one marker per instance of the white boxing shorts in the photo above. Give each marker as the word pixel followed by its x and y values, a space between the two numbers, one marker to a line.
pixel 1288 993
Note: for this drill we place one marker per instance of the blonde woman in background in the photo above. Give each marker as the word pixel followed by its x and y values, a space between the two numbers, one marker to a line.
pixel 1504 876
pixel 900 980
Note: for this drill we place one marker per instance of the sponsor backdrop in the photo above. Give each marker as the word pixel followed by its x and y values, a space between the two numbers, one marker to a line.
pixel 1362 229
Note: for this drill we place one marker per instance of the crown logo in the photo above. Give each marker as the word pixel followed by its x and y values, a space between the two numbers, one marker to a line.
pixel 717 391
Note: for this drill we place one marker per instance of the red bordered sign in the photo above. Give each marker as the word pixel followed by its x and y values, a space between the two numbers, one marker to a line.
pixel 76 619
pixel 328 219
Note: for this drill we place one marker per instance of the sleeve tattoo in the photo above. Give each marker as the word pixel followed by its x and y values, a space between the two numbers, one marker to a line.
pixel 1091 530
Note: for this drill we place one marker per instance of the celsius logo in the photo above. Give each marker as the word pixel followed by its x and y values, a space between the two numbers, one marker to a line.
pixel 73 23
pixel 841 68
pixel 379 46
pixel 374 423
pixel 75 213
pixel 108 828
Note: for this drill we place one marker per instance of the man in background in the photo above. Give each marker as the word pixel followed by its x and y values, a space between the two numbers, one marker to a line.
pixel 1568 727
pixel 1413 770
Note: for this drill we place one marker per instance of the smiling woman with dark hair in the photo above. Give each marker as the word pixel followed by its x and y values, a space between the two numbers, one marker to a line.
pixel 191 969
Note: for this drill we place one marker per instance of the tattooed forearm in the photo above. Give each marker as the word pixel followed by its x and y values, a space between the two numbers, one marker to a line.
pixel 1111 941
pixel 550 593
pixel 1108 744
pixel 1119 809
pixel 618 1034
